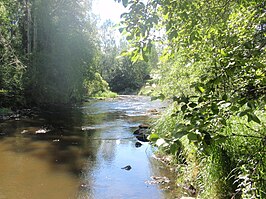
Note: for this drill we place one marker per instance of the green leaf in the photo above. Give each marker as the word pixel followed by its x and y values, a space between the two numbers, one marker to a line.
pixel 223 53
pixel 200 100
pixel 193 137
pixel 153 137
pixel 129 37
pixel 214 108
pixel 253 117
pixel 121 30
pixel 223 121
pixel 225 97
pixel 234 108
pixel 242 113
pixel 207 138
pixel 145 57
pixel 188 116
pixel 251 105
pixel 200 89
pixel 174 148
pixel 172 34
pixel 242 101
pixel 175 99
pixel 184 99
pixel 220 138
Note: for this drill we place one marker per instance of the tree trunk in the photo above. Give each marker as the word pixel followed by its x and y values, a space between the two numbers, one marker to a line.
pixel 34 39
pixel 28 26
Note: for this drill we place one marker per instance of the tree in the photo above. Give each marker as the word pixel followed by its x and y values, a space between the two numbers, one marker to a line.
pixel 213 67
pixel 48 51
pixel 65 52
pixel 121 73
pixel 109 49
pixel 11 56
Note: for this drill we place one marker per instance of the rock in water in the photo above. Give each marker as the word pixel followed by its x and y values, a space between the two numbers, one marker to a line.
pixel 143 138
pixel 144 126
pixel 128 167
pixel 138 144
pixel 142 133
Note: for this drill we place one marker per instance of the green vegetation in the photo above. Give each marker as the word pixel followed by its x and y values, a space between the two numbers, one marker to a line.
pixel 122 74
pixel 48 51
pixel 99 88
pixel 208 57
pixel 212 66
pixel 53 52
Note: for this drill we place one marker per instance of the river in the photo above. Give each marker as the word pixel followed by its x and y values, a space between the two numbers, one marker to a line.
pixel 79 152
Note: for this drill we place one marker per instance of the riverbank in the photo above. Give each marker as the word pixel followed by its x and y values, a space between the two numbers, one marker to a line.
pixel 227 165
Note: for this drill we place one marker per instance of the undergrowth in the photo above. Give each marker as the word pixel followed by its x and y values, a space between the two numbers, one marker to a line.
pixel 231 167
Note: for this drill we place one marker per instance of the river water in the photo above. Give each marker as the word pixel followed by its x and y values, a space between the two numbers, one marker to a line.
pixel 78 152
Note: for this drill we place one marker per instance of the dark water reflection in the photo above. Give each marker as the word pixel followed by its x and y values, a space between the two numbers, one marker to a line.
pixel 78 152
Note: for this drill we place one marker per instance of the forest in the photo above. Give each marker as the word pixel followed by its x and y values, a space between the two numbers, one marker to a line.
pixel 53 52
pixel 207 58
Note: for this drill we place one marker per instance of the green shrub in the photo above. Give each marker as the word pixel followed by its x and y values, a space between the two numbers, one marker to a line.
pixel 98 87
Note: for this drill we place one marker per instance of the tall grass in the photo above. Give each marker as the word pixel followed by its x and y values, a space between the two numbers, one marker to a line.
pixel 232 167
pixel 246 149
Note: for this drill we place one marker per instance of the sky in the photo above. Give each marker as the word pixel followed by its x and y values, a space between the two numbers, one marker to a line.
pixel 108 9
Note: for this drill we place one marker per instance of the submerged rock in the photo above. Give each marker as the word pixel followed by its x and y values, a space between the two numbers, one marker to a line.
pixel 128 167
pixel 138 144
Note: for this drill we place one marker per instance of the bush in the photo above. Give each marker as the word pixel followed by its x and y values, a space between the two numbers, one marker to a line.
pixel 232 166
pixel 98 87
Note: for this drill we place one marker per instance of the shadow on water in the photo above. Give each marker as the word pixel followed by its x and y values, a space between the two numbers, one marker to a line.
pixel 80 149
pixel 57 131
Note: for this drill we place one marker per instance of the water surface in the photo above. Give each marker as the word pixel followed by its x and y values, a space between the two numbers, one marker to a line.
pixel 78 152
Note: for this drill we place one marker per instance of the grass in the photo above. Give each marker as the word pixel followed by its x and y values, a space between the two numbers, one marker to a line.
pixel 234 167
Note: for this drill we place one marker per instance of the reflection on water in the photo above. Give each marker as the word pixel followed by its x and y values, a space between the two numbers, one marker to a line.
pixel 32 175
pixel 78 152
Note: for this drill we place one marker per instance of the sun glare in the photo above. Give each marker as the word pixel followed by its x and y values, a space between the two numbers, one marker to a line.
pixel 108 9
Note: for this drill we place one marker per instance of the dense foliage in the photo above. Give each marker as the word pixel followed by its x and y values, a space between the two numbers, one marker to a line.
pixel 12 68
pixel 54 52
pixel 64 52
pixel 49 51
pixel 122 74
pixel 213 67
